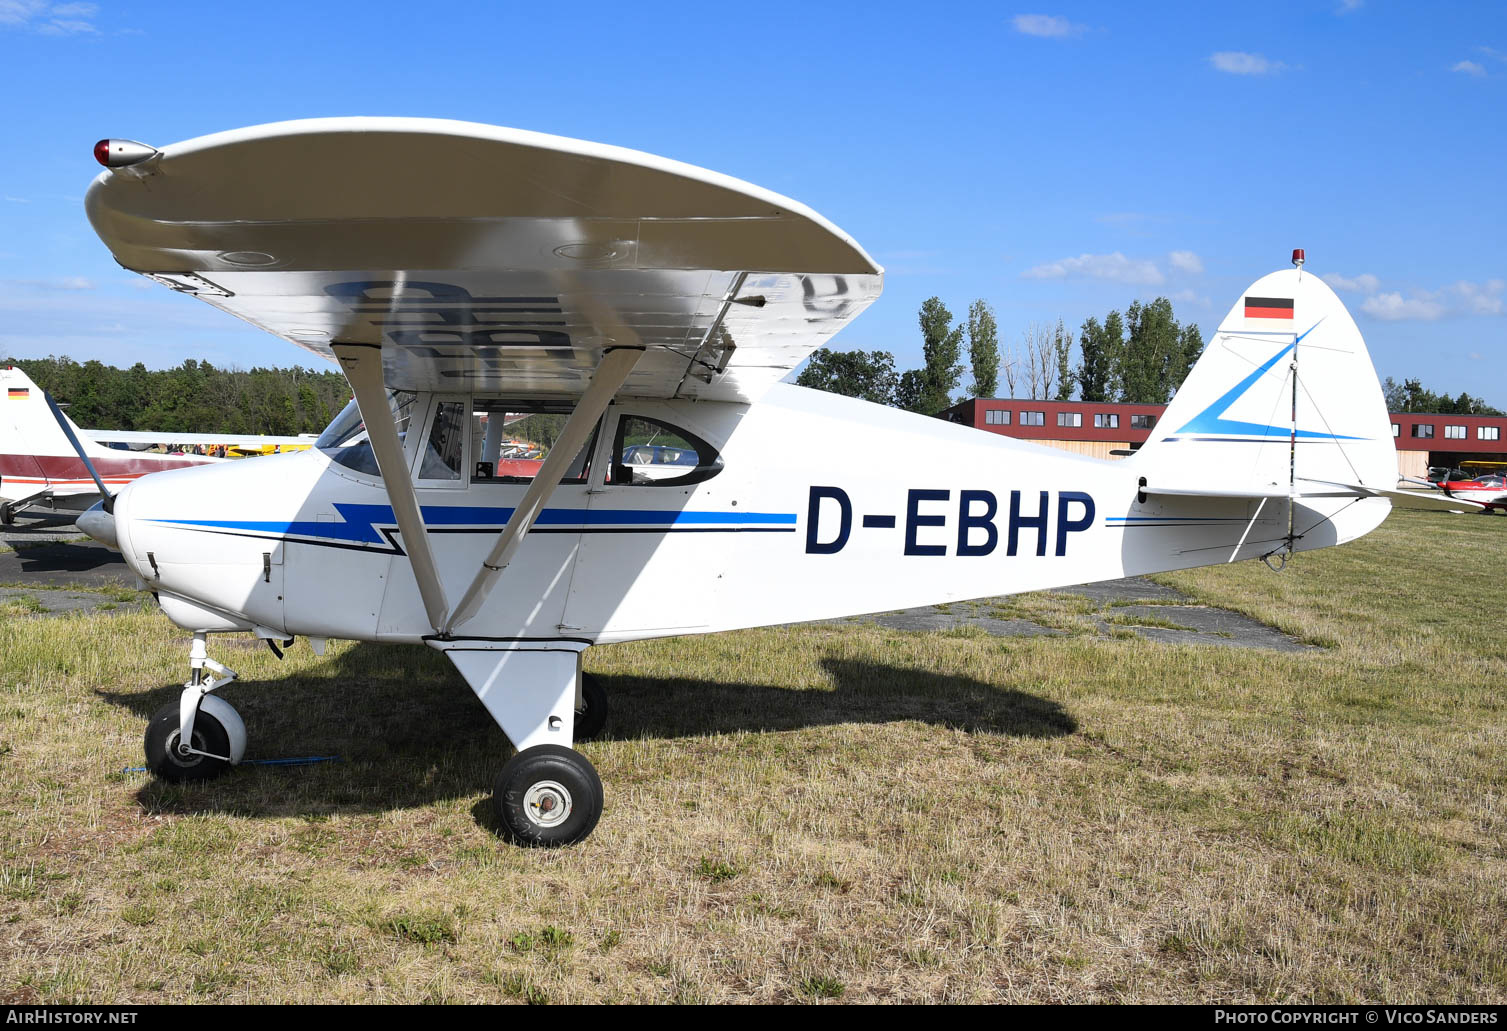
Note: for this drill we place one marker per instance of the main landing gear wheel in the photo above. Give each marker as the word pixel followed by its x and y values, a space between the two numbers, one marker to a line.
pixel 7 516
pixel 166 760
pixel 549 796
pixel 591 717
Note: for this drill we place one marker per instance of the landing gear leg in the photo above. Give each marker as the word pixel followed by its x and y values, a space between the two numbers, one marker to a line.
pixel 548 794
pixel 201 735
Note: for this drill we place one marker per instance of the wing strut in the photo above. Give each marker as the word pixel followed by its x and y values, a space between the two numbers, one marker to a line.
pixel 610 375
pixel 362 364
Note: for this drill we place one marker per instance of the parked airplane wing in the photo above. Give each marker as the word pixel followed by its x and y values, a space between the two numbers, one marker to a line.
pixel 488 259
pixel 170 437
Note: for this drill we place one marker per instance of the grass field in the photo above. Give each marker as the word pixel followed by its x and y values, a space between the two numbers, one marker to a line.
pixel 818 813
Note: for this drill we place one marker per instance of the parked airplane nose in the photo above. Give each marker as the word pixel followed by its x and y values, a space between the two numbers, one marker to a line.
pixel 100 525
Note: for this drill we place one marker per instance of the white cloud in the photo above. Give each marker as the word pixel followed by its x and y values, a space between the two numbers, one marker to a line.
pixel 1346 6
pixel 1114 267
pixel 1482 299
pixel 1468 68
pixel 1186 261
pixel 1045 25
pixel 1462 298
pixel 1238 62
pixel 60 283
pixel 67 19
pixel 1395 308
pixel 1365 283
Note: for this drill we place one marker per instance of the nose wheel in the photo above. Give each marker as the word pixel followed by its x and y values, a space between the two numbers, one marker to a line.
pixel 549 796
pixel 206 757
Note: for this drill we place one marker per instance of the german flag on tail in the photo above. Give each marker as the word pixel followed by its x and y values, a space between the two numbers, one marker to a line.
pixel 17 393
pixel 1268 307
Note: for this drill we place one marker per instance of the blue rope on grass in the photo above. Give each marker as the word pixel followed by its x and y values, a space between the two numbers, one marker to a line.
pixel 307 760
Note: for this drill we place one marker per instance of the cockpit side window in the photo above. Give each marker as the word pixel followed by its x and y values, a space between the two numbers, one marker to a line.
pixel 647 452
pixel 510 441
pixel 345 441
pixel 447 442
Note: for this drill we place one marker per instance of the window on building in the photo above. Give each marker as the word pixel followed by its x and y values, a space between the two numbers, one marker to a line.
pixel 1488 433
pixel 997 417
pixel 1423 429
pixel 1396 429
pixel 1069 418
pixel 1106 421
pixel 1454 432
pixel 1033 418
pixel 1142 422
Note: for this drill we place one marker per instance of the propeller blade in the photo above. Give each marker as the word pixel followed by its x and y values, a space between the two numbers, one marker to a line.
pixel 106 498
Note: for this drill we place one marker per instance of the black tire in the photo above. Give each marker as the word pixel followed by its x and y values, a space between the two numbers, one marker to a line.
pixel 7 516
pixel 548 796
pixel 591 717
pixel 162 740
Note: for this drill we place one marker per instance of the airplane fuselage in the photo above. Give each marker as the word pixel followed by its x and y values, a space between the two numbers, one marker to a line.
pixel 880 508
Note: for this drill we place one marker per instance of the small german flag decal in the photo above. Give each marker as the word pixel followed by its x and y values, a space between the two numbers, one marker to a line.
pixel 17 393
pixel 1268 307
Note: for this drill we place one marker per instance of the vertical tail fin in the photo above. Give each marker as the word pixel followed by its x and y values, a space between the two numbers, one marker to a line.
pixel 27 424
pixel 1237 420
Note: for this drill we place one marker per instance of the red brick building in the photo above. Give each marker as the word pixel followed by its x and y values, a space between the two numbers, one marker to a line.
pixel 1100 428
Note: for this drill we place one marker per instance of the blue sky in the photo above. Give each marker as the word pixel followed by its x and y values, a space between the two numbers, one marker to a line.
pixel 1057 161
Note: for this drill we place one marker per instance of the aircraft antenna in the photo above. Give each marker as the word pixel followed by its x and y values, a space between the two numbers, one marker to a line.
pixel 1298 258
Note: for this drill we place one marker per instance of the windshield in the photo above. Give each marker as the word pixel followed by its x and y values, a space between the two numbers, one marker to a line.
pixel 344 439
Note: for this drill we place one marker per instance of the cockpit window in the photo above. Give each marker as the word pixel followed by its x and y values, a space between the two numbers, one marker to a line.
pixel 511 440
pixel 344 440
pixel 447 442
pixel 647 452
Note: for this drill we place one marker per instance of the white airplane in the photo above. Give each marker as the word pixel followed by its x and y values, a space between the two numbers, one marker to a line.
pixel 40 464
pixel 624 301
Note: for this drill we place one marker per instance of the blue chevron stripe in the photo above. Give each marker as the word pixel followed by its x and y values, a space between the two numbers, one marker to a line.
pixel 359 522
pixel 1211 419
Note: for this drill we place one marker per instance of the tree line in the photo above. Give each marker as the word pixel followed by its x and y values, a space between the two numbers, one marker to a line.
pixel 1141 357
pixel 1411 396
pixel 195 397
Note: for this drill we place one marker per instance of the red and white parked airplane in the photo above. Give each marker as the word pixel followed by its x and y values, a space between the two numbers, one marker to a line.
pixel 40 468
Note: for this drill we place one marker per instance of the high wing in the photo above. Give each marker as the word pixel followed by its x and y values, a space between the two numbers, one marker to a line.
pixel 489 259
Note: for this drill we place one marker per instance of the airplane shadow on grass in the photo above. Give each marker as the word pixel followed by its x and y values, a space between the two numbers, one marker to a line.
pixel 409 732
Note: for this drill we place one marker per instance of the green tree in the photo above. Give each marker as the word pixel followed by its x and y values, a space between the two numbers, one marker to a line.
pixel 1151 352
pixel 942 346
pixel 869 375
pixel 983 349
pixel 1062 345
pixel 1099 349
pixel 1190 347
pixel 910 391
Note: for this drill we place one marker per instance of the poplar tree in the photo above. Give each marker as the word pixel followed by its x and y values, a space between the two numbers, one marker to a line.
pixel 983 349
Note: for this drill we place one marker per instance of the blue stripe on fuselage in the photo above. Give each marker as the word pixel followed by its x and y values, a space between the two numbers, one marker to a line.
pixel 359 522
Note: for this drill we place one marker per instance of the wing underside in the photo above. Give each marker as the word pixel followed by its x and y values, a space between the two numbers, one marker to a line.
pixel 489 260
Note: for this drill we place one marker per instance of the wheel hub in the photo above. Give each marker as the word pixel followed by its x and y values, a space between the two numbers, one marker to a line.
pixel 180 753
pixel 547 803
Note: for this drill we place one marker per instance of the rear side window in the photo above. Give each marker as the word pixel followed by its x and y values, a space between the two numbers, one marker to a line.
pixel 649 453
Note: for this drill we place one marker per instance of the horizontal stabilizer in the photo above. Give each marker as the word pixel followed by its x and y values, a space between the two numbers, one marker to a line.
pixel 1305 488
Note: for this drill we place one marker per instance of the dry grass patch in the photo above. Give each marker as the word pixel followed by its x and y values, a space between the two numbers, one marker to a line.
pixel 809 814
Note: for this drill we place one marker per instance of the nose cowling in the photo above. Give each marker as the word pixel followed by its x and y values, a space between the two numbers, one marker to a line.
pixel 100 525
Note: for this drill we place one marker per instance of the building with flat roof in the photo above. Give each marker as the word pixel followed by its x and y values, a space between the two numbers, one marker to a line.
pixel 1102 428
